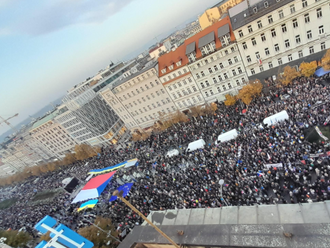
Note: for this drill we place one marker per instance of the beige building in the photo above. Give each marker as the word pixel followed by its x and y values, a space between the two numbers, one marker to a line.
pixel 138 98
pixel 214 14
pixel 157 50
pixel 53 136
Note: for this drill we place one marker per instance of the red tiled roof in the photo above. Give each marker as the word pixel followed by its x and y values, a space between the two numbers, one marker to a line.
pixel 180 52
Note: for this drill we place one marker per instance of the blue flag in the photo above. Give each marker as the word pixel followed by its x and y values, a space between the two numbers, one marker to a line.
pixel 125 188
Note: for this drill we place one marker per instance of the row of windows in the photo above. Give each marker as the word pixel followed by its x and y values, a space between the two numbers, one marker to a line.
pixel 144 99
pixel 289 58
pixel 134 81
pixel 142 89
pixel 190 102
pixel 150 107
pixel 174 75
pixel 179 84
pixel 309 36
pixel 281 15
pixel 219 67
pixel 210 59
pixel 277 49
pixel 184 92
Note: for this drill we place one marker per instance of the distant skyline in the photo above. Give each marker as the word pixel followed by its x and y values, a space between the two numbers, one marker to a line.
pixel 49 46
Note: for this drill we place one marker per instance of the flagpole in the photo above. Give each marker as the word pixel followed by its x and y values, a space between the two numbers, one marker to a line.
pixel 120 195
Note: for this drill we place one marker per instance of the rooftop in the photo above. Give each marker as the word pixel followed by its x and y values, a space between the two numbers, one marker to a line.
pixel 45 119
pixel 247 226
pixel 240 15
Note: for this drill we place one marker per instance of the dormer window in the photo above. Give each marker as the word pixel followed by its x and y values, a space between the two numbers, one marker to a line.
pixel 224 35
pixel 206 44
pixel 170 67
pixel 163 70
pixel 178 63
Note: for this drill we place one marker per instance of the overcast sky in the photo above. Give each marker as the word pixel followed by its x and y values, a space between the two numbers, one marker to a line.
pixel 46 47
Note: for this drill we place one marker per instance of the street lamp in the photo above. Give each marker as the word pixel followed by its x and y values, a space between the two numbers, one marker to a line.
pixel 221 182
pixel 120 195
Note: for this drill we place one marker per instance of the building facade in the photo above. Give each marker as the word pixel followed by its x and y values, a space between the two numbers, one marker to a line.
pixel 274 33
pixel 177 79
pixel 139 98
pixel 156 51
pixel 215 61
pixel 52 135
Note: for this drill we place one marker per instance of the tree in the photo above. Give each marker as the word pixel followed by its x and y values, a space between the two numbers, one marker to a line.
pixel 250 91
pixel 69 158
pixel 196 111
pixel 288 75
pixel 98 237
pixel 230 100
pixel 45 237
pixel 84 151
pixel 308 69
pixel 326 61
pixel 15 238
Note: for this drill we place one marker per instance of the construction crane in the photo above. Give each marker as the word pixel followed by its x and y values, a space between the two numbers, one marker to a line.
pixel 6 121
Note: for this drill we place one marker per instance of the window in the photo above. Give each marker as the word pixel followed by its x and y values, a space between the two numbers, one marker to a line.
pixel 300 54
pixel 240 33
pixel 294 23
pixel 281 14
pixel 252 71
pixel 244 45
pixel 321 30
pixel 202 85
pixel 225 40
pixel 219 89
pixel 207 83
pixel 202 73
pixel 270 65
pixel 298 39
pixel 323 46
pixel 253 40
pixel 197 76
pixel 250 28
pixel 311 50
pixel 261 68
pixel 263 37
pixel 221 65
pixel 226 52
pixel 270 19
pixel 304 3
pixel 287 43
pixel 239 70
pixel 307 20
pixel 211 92
pixel 206 94
pixel 234 72
pixel 230 62
pixel 210 70
pixel 279 61
pixel 309 34
pixel 214 80
pixel 259 24
pixel 225 75
pixel 290 57
pixel 237 82
pixel 277 48
pixel 284 28
pixel 292 9
pixel 266 51
pixel 319 13
pixel 257 55
pixel 273 32
pixel 248 58
pixel 235 59
pixel 229 85
pixel 220 78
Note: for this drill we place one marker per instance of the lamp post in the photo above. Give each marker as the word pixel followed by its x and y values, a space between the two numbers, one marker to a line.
pixel 120 196
pixel 221 182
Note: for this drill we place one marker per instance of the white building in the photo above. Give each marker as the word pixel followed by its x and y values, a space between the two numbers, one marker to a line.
pixel 157 50
pixel 139 98
pixel 273 33
pixel 215 61
pixel 176 77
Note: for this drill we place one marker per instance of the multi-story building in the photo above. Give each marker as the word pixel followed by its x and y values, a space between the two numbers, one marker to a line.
pixel 213 14
pixel 139 98
pixel 177 80
pixel 215 61
pixel 156 51
pixel 86 115
pixel 274 33
pixel 54 137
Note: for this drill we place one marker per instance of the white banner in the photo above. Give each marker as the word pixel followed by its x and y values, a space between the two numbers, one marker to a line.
pixel 279 165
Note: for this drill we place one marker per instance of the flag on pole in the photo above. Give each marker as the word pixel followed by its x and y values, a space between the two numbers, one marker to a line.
pixel 88 204
pixel 260 173
pixel 125 188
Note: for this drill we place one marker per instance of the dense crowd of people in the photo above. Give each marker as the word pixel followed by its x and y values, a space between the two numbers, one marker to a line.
pixel 191 179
